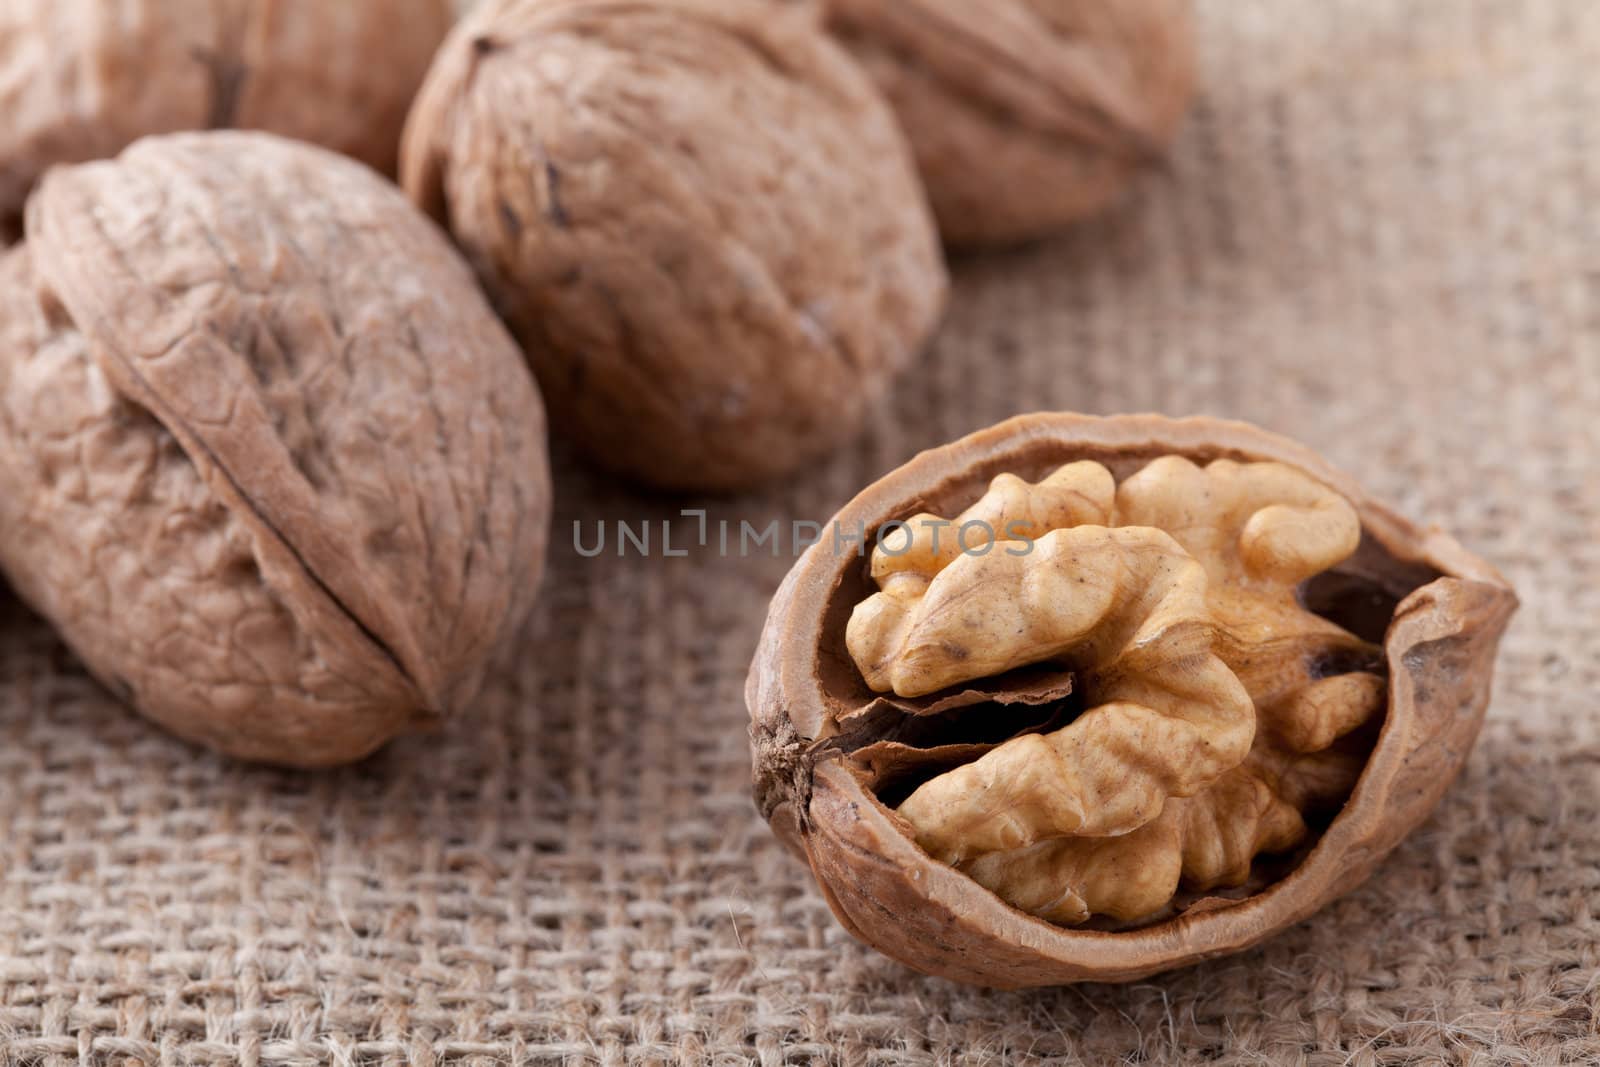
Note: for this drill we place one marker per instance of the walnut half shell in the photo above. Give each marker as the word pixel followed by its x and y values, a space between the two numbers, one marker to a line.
pixel 898 716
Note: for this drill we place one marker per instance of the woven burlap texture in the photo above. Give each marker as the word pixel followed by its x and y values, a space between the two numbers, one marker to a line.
pixel 1378 234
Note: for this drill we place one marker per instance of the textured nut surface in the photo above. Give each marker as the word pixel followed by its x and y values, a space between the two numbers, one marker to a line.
pixel 1365 645
pixel 1125 611
pixel 698 216
pixel 267 458
pixel 82 79
pixel 1251 535
pixel 1025 115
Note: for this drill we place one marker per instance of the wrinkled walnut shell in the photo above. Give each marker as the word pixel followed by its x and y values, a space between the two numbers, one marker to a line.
pixel 1025 115
pixel 268 460
pixel 1438 611
pixel 83 79
pixel 698 216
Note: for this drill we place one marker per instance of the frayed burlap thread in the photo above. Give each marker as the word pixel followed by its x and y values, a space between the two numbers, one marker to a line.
pixel 1378 234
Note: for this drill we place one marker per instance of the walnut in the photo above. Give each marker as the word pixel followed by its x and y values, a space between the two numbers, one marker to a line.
pixel 82 79
pixel 1025 115
pixel 267 459
pixel 1031 711
pixel 698 216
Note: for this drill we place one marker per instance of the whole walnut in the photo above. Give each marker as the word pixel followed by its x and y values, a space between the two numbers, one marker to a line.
pixel 698 216
pixel 82 79
pixel 1025 115
pixel 268 460
pixel 1105 696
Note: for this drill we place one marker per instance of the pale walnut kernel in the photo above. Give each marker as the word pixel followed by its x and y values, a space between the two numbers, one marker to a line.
pixel 1185 612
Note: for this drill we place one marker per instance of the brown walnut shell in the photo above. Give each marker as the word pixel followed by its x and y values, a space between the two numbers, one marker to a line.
pixel 818 733
pixel 82 79
pixel 698 216
pixel 268 460
pixel 1025 115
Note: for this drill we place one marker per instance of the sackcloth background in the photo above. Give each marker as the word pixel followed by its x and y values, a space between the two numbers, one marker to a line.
pixel 1380 233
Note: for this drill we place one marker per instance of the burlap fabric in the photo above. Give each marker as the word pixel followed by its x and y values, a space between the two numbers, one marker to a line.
pixel 1379 234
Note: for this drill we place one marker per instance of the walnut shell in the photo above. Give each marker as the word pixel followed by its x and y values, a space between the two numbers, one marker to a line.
pixel 1436 610
pixel 82 79
pixel 1025 115
pixel 698 216
pixel 268 460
